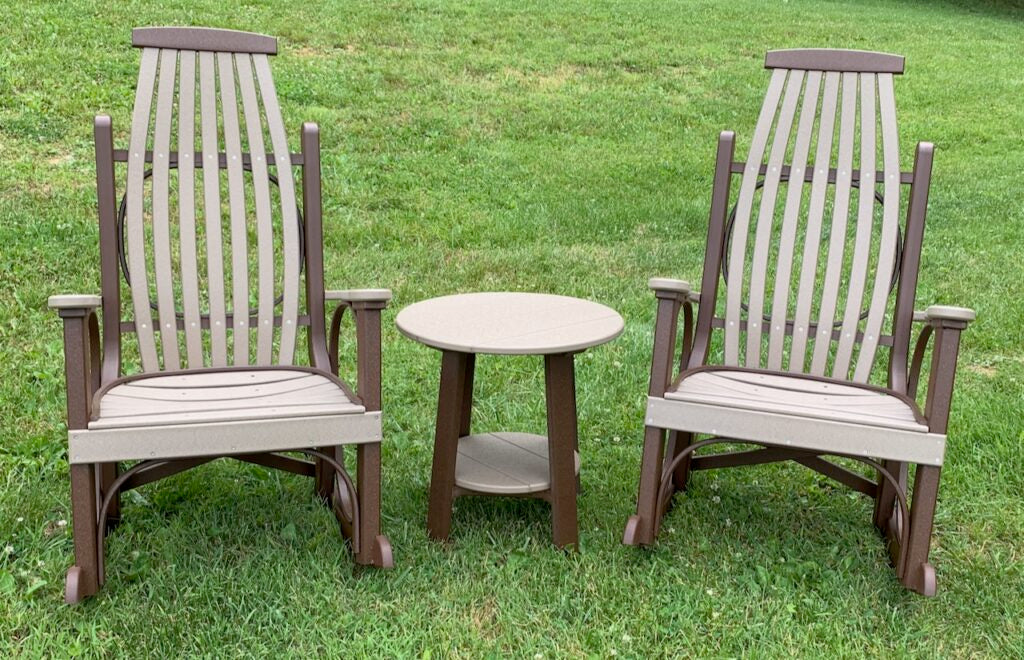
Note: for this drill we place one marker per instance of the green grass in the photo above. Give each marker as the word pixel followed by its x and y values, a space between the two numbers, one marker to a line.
pixel 556 147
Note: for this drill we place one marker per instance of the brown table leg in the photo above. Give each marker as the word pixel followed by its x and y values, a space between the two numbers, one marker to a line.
pixel 451 404
pixel 466 414
pixel 562 439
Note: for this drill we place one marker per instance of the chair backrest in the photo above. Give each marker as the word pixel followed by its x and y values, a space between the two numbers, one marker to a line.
pixel 209 224
pixel 813 247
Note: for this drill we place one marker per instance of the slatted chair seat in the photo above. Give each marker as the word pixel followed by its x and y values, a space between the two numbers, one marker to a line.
pixel 206 397
pixel 819 276
pixel 800 413
pixel 797 396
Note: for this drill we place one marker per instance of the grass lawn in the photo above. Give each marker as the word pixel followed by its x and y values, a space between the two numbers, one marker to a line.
pixel 563 147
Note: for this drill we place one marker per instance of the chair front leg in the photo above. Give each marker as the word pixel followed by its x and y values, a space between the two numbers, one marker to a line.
pixel 80 362
pixel 83 579
pixel 918 574
pixel 374 548
pixel 948 323
pixel 677 442
pixel 643 526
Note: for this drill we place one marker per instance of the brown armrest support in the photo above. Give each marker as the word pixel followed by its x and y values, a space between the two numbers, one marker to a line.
pixel 673 296
pixel 81 353
pixel 946 324
pixel 366 305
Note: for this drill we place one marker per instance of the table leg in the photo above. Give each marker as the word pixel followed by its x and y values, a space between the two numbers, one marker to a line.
pixel 562 438
pixel 467 395
pixel 450 402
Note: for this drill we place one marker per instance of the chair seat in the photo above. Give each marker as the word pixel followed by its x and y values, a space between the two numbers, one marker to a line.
pixel 220 396
pixel 799 396
pixel 222 412
pixel 799 412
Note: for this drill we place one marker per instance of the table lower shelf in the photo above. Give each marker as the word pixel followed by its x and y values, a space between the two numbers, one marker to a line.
pixel 504 463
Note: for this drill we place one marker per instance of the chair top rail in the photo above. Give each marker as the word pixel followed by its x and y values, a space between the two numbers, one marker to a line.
pixel 208 39
pixel 826 59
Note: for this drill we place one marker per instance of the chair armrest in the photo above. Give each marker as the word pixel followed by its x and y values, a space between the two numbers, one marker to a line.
pixel 668 284
pixel 81 353
pixel 359 295
pixel 80 303
pixel 944 315
pixel 945 323
pixel 366 305
pixel 665 287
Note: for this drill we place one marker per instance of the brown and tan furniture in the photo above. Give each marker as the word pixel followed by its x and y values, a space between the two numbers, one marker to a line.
pixel 505 463
pixel 819 275
pixel 220 272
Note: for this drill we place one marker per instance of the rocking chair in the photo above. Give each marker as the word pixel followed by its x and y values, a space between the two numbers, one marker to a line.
pixel 216 374
pixel 811 295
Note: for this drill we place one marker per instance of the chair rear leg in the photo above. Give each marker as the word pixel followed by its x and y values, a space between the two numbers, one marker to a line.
pixel 886 511
pixel 374 548
pixel 108 472
pixel 323 473
pixel 83 578
pixel 642 527
pixel 677 442
pixel 918 574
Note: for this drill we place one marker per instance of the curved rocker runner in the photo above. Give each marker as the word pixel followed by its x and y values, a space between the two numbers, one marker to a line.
pixel 217 376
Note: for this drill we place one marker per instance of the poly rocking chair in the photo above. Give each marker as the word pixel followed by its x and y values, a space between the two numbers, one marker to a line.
pixel 797 359
pixel 222 395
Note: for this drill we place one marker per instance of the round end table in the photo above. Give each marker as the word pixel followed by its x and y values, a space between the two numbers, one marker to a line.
pixel 507 463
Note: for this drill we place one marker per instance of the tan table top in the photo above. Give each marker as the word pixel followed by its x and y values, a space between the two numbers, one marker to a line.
pixel 509 323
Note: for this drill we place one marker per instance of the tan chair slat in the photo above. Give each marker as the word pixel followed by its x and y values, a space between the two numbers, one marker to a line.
pixel 265 430
pixel 865 223
pixel 880 405
pixel 815 214
pixel 164 272
pixel 744 204
pixel 890 227
pixel 236 207
pixel 135 191
pixel 211 379
pixel 117 405
pixel 766 218
pixel 798 383
pixel 790 222
pixel 290 231
pixel 187 395
pixel 187 208
pixel 211 211
pixel 235 415
pixel 264 227
pixel 841 209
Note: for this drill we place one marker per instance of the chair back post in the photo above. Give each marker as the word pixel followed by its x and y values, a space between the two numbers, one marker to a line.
pixel 913 240
pixel 715 246
pixel 312 205
pixel 110 284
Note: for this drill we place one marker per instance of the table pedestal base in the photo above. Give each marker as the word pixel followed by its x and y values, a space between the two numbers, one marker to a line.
pixel 504 463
